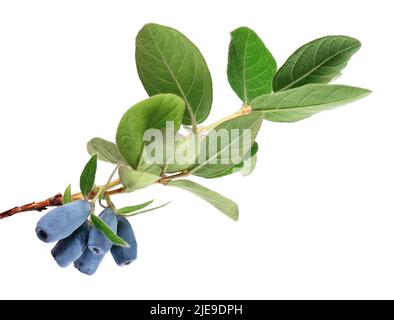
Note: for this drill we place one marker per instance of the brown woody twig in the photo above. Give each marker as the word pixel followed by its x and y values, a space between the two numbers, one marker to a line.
pixel 54 201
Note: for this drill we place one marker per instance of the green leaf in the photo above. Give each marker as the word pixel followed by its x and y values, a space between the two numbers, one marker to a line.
pixel 104 228
pixel 147 210
pixel 186 153
pixel 130 209
pixel 245 167
pixel 67 197
pixel 249 163
pixel 150 168
pixel 168 62
pixel 152 113
pixel 88 176
pixel 303 102
pixel 223 204
pixel 134 180
pixel 219 150
pixel 170 152
pixel 248 166
pixel 251 67
pixel 106 151
pixel 318 61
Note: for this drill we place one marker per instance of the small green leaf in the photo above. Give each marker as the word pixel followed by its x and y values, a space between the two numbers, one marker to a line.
pixel 225 205
pixel 130 209
pixel 105 150
pixel 104 228
pixel 67 197
pixel 218 150
pixel 318 61
pixel 303 102
pixel 134 180
pixel 168 62
pixel 147 210
pixel 251 67
pixel 88 176
pixel 152 113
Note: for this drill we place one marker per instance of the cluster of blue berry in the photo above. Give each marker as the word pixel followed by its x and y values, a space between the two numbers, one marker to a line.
pixel 81 243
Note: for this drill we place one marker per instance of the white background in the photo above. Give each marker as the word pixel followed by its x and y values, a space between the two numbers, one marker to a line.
pixel 317 218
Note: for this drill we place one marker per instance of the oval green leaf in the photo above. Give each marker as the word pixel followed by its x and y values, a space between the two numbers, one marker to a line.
pixel 318 61
pixel 134 180
pixel 223 204
pixel 106 151
pixel 168 62
pixel 217 150
pixel 186 150
pixel 251 67
pixel 152 113
pixel 303 102
pixel 245 167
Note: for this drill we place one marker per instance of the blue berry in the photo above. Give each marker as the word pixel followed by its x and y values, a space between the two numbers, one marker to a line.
pixel 124 256
pixel 98 243
pixel 63 221
pixel 71 248
pixel 89 262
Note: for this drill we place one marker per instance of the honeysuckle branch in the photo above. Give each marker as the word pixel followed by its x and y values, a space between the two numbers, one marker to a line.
pixel 109 185
pixel 116 191
pixel 105 190
pixel 54 201
pixel 57 200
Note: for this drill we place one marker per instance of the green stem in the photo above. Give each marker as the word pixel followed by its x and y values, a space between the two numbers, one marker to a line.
pixel 192 119
pixel 103 189
pixel 246 109
pixel 167 179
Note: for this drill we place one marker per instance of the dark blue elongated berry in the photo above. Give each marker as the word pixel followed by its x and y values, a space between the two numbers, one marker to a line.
pixel 124 256
pixel 63 221
pixel 71 248
pixel 98 243
pixel 89 262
